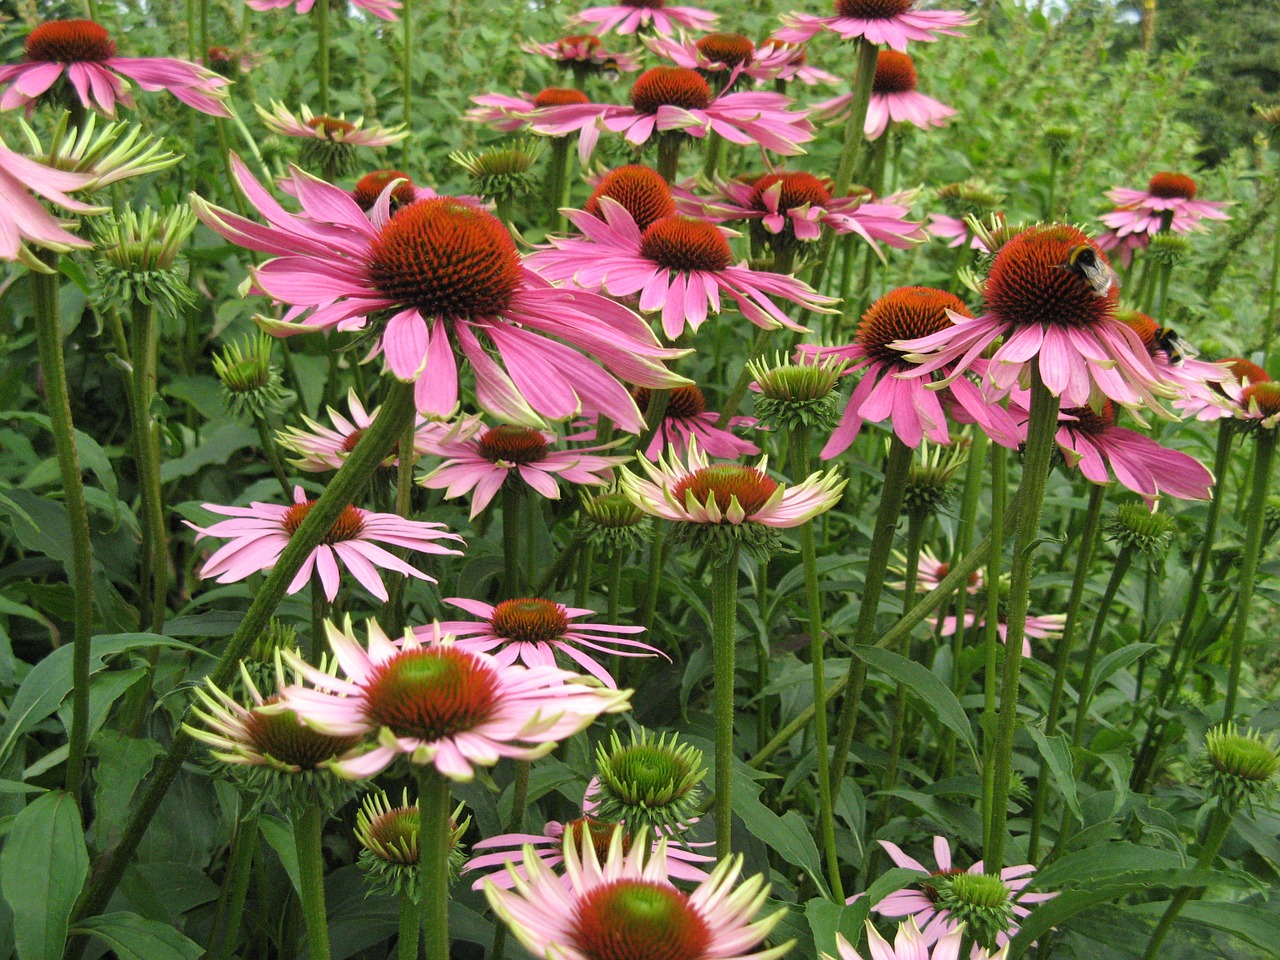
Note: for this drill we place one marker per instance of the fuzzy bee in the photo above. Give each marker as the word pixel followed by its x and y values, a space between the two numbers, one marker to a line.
pixel 1173 345
pixel 1084 261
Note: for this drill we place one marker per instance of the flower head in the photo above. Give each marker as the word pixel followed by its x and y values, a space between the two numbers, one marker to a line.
pixel 909 944
pixel 585 53
pixel 24 220
pixel 722 58
pixel 624 906
pixel 84 53
pixel 448 279
pixel 779 60
pixel 894 23
pixel 631 16
pixel 382 9
pixel 686 416
pixel 651 781
pixel 639 190
pixel 438 703
pixel 1239 767
pixel 251 383
pixel 328 143
pixel 389 837
pixel 531 630
pixel 138 257
pixel 894 99
pixel 1168 204
pixel 611 521
pixel 320 448
pixel 504 172
pixel 260 532
pixel 796 393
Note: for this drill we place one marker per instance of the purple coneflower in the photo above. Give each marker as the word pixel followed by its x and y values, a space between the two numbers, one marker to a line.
pixel 631 16
pixel 893 23
pixel 379 8
pixel 894 98
pixel 320 448
pixel 23 219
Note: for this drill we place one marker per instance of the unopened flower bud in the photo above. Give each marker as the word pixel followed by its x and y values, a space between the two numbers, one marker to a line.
pixel 1238 768
pixel 1134 527
pixel 652 781
pixel 505 172
pixel 797 393
pixel 390 838
pixel 979 900
pixel 250 381
pixel 138 258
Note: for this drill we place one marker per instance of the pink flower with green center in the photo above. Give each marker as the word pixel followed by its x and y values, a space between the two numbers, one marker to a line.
pixel 699 491
pixel 909 944
pixel 893 23
pixel 894 99
pixel 585 51
pixel 449 281
pixel 530 630
pixel 259 533
pixel 309 126
pixel 84 53
pixel 631 16
pixel 480 459
pixel 436 702
pixel 381 9
pixel 24 220
pixel 625 906
pixel 320 448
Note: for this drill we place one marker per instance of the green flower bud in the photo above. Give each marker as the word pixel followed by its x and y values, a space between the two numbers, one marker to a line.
pixel 1238 768
pixel 649 782
pixel 797 393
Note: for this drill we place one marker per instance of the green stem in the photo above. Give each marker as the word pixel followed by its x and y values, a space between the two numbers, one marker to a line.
pixel 226 928
pixel 272 453
pixel 410 926
pixel 1219 824
pixel 519 796
pixel 558 182
pixel 654 413
pixel 1088 541
pixel 143 353
pixel 582 582
pixel 435 837
pixel 896 469
pixel 347 483
pixel 808 551
pixel 1270 328
pixel 92 6
pixel 321 11
pixel 1263 458
pixel 1118 570
pixel 715 150
pixel 656 550
pixel 406 80
pixel 511 553
pixel 991 637
pixel 551 577
pixel 1053 184
pixel 45 288
pixel 1042 428
pixel 308 833
pixel 863 79
pixel 724 621
pixel 669 155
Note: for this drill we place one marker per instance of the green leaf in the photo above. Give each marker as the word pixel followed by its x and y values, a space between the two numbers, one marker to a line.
pixel 1259 927
pixel 42 868
pixel 1116 660
pixel 122 763
pixel 92 456
pixel 826 919
pixel 1056 751
pixel 135 938
pixel 279 834
pixel 218 447
pixel 932 695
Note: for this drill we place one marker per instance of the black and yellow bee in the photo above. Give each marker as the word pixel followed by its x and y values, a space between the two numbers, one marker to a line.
pixel 1173 345
pixel 1084 261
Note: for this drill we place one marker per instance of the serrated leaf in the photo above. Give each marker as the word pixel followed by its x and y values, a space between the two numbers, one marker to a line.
pixel 42 868
pixel 132 937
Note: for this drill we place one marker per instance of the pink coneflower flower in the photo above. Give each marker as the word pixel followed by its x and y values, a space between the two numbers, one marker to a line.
pixel 730 54
pixel 894 98
pixel 279 119
pixel 231 61
pixel 320 448
pixel 379 8
pixel 24 220
pixel 640 190
pixel 627 907
pixel 479 459
pixel 1200 381
pixel 699 491
pixel 585 52
pixel 511 113
pixel 792 205
pixel 893 23
pixel 888 388
pixel 1047 626
pixel 530 630
pixel 631 16
pixel 666 99
pixel 1051 312
pixel 908 944
pixel 1224 397
pixel 445 274
pixel 678 265
pixel 790 61
pixel 85 53
pixel 438 703
pixel 550 845
pixel 687 418
pixel 930 572
pixel 1168 203
pixel 1260 404
pixel 260 532
pixel 935 920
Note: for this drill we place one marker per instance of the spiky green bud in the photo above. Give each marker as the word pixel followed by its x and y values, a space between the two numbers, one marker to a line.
pixel 981 900
pixel 931 479
pixel 138 258
pixel 1168 248
pixel 797 393
pixel 1238 768
pixel 611 521
pixel 969 199
pixel 251 383
pixel 504 172
pixel 1134 527
pixel 652 781
pixel 389 837
pixel 1060 136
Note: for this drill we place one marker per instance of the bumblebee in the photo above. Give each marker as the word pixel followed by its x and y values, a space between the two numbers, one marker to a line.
pixel 1173 345
pixel 1084 261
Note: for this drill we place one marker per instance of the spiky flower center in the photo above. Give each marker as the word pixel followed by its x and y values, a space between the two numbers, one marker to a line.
pixel 872 9
pixel 1243 370
pixel 731 49
pixel 1244 755
pixel 725 482
pixel 930 890
pixel 601 834
pixel 967 199
pixel 283 737
pixel 559 97
pixel 670 86
pixel 639 190
pixel 69 41
pixel 369 187
pixel 904 314
pixel 529 620
pixel 1172 186
pixel 895 73
pixel 1091 421
pixel 331 128
pixel 393 835
pixel 612 510
pixel 1144 326
pixel 1032 281
pixel 798 189
pixel 683 403
pixel 645 4
pixel 510 444
pixel 1265 396
pixel 651 774
pixel 639 920
pixel 979 889
pixel 431 693
pixel 682 243
pixel 447 258
pixel 348 526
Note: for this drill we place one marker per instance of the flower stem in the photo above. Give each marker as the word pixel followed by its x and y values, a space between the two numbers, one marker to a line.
pixel 896 469
pixel 435 837
pixel 360 465
pixel 1054 156
pixel 558 182
pixel 53 366
pixel 1088 541
pixel 809 555
pixel 730 406
pixel 1270 328
pixel 321 10
pixel 270 451
pixel 512 501
pixel 990 636
pixel 1118 570
pixel 724 621
pixel 656 550
pixel 669 155
pixel 155 586
pixel 1219 824
pixel 226 926
pixel 406 24
pixel 1042 428
pixel 1263 458
pixel 863 79
pixel 410 929
pixel 308 832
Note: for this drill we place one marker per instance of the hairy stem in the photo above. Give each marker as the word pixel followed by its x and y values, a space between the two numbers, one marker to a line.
pixel 308 833
pixel 724 621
